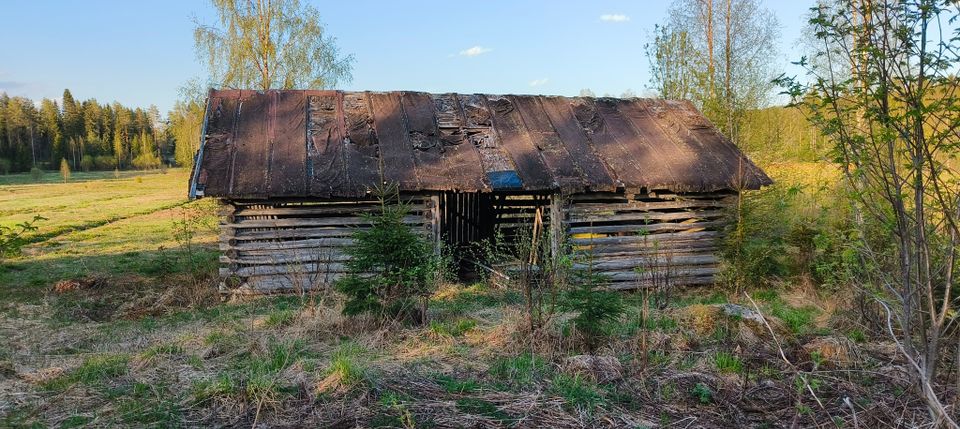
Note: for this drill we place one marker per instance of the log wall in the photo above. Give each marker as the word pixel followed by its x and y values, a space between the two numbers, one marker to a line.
pixel 297 246
pixel 643 240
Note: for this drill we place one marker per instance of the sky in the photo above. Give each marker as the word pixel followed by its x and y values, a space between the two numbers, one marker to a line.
pixel 141 52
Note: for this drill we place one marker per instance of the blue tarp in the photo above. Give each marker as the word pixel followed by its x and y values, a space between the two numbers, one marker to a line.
pixel 504 179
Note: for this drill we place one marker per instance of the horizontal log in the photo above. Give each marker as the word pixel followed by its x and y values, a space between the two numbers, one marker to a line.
pixel 280 284
pixel 602 264
pixel 679 282
pixel 679 274
pixel 626 250
pixel 655 227
pixel 307 222
pixel 286 245
pixel 646 216
pixel 311 269
pixel 652 239
pixel 278 259
pixel 318 210
pixel 595 208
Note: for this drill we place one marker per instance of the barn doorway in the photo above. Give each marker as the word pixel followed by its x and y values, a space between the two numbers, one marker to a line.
pixel 494 232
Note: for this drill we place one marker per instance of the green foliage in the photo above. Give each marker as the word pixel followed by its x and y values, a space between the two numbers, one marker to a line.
pixel 93 370
pixel 254 377
pixel 483 408
pixel 346 365
pixel 726 362
pixel 12 238
pixel 5 166
pixel 702 393
pixel 598 309
pixel 456 385
pixel 519 371
pixel 274 45
pixel 391 266
pixel 452 329
pixel 579 393
pixel 36 174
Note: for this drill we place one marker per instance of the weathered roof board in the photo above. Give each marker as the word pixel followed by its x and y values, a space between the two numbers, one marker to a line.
pixel 293 143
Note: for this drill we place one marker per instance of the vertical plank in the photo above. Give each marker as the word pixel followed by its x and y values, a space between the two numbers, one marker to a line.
pixel 424 138
pixel 288 160
pixel 396 153
pixel 252 147
pixel 596 175
pixel 360 145
pixel 559 162
pixel 325 158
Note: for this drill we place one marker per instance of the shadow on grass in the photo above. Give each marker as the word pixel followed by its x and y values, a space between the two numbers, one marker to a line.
pixel 29 280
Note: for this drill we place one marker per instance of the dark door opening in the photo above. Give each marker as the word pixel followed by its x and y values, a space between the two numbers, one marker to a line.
pixel 489 231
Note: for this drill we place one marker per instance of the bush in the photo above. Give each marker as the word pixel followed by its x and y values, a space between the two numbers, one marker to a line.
pixel 5 166
pixel 36 174
pixel 87 163
pixel 64 170
pixel 147 160
pixel 104 162
pixel 390 265
pixel 598 308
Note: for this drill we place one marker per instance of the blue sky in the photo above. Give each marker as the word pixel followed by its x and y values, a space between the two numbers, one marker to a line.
pixel 140 53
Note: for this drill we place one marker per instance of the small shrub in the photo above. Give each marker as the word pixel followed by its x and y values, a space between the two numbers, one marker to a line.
pixel 598 308
pixel 5 166
pixel 12 239
pixel 86 163
pixel 702 393
pixel 403 263
pixel 64 170
pixel 36 174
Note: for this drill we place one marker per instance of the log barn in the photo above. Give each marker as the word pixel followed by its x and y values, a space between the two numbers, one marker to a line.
pixel 640 186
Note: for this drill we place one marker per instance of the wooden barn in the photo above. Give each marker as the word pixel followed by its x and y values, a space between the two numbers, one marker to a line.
pixel 638 185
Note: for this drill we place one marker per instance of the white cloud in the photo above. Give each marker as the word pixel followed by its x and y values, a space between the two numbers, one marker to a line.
pixel 538 82
pixel 614 17
pixel 474 51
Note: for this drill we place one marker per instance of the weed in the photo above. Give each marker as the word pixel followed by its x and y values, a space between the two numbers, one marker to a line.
pixel 798 320
pixel 857 336
pixel 728 363
pixel 455 385
pixel 94 370
pixel 483 408
pixel 160 350
pixel 345 370
pixel 452 329
pixel 149 406
pixel 519 371
pixel 280 318
pixel 578 393
pixel 702 393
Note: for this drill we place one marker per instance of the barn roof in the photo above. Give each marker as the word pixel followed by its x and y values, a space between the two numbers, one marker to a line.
pixel 299 143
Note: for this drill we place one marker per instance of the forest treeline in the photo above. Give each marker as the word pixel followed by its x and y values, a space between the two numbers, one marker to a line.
pixel 88 134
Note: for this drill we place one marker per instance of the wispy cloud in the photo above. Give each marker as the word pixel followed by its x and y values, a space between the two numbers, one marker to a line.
pixel 538 82
pixel 474 51
pixel 614 17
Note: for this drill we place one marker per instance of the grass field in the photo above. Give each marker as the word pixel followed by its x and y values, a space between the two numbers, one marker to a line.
pixel 108 319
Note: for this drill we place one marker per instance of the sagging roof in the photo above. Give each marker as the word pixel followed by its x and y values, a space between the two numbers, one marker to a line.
pixel 311 143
